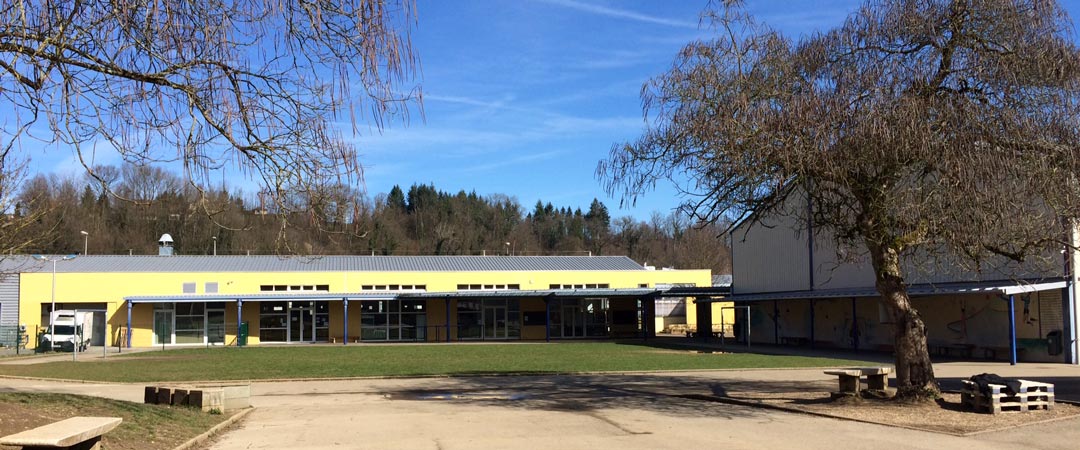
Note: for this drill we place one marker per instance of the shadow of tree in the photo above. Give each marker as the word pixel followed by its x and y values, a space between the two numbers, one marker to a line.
pixel 678 395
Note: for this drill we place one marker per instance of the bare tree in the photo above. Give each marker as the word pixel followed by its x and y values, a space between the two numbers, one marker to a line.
pixel 917 127
pixel 19 210
pixel 212 86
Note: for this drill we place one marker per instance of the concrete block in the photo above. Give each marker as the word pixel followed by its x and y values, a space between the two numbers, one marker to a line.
pixel 164 396
pixel 237 397
pixel 150 395
pixel 207 399
pixel 180 397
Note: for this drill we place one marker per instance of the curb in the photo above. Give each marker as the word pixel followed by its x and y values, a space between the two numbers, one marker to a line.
pixel 752 404
pixel 191 443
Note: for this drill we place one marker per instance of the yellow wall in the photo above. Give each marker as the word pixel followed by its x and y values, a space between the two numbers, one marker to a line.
pixel 717 309
pixel 111 288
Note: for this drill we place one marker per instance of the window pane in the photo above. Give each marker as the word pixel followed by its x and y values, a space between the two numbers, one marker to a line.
pixel 189 322
pixel 272 321
pixel 277 335
pixel 189 336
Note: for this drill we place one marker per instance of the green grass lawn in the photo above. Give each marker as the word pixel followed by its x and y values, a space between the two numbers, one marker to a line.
pixel 278 362
pixel 145 427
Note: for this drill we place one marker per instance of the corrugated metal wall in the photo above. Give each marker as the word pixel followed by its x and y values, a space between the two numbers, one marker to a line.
pixel 9 308
pixel 770 255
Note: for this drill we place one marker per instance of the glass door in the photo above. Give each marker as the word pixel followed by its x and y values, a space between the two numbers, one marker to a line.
pixel 573 320
pixel 163 326
pixel 301 325
pixel 495 322
pixel 215 326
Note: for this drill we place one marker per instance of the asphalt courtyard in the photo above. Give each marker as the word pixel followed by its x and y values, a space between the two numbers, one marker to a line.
pixel 626 411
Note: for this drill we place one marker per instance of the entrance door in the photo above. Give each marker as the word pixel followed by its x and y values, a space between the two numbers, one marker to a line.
pixel 163 326
pixel 215 326
pixel 495 322
pixel 573 321
pixel 301 325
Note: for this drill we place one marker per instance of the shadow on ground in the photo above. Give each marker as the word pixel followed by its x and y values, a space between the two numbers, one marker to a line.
pixel 687 396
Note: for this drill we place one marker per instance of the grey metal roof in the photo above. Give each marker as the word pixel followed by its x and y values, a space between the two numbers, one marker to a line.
pixel 301 296
pixel 723 280
pixel 571 293
pixel 1002 287
pixel 278 296
pixel 272 263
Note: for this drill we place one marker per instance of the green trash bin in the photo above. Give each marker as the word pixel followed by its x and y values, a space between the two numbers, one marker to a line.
pixel 242 337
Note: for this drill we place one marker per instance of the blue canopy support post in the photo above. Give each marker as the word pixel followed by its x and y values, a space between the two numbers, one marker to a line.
pixel 648 315
pixel 345 328
pixel 447 319
pixel 775 321
pixel 854 325
pixel 128 336
pixel 547 318
pixel 239 319
pixel 812 323
pixel 1012 330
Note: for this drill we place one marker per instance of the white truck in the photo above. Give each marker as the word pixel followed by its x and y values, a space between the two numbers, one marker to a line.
pixel 70 328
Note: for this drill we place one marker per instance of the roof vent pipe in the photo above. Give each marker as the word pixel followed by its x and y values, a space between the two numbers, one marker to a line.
pixel 165 245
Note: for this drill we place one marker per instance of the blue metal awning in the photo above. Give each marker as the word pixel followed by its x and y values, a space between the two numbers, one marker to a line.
pixel 917 290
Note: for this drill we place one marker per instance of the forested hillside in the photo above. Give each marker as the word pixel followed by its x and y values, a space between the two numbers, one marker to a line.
pixel 133 206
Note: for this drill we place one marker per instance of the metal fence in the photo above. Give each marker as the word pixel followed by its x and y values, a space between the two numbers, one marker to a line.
pixel 10 337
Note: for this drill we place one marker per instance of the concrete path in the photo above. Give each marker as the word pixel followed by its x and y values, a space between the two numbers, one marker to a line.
pixel 602 411
pixel 626 411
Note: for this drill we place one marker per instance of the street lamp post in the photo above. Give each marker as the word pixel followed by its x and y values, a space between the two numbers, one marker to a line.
pixel 215 245
pixel 86 241
pixel 52 309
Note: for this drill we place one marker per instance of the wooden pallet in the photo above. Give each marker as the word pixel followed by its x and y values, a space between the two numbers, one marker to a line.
pixel 1033 395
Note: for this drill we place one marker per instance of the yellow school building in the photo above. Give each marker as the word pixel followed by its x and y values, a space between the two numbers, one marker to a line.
pixel 141 301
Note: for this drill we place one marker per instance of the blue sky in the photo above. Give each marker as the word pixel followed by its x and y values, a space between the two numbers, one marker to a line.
pixel 525 97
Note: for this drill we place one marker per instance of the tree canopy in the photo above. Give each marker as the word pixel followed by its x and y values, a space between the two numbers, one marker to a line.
pixel 57 209
pixel 946 127
pixel 242 87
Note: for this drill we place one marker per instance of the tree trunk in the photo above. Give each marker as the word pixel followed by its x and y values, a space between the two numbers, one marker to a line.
pixel 914 372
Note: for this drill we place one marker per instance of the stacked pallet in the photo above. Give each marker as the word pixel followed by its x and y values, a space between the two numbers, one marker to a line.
pixel 1032 395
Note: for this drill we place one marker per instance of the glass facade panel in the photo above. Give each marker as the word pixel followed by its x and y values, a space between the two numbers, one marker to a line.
pixel 578 318
pixel 392 320
pixel 470 324
pixel 273 321
pixel 489 318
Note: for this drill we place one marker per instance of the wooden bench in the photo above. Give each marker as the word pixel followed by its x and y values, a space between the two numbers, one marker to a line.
pixel 877 378
pixel 76 433
pixel 961 350
pixel 795 341
pixel 993 352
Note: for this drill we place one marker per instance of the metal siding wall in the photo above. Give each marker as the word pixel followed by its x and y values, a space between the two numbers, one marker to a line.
pixel 832 273
pixel 771 255
pixel 9 300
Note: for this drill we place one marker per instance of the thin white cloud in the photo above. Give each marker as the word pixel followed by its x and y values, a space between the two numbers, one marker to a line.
pixel 531 157
pixel 621 13
pixel 465 101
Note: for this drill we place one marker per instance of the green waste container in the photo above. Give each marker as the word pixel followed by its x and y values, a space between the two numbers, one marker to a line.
pixel 1055 344
pixel 241 338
